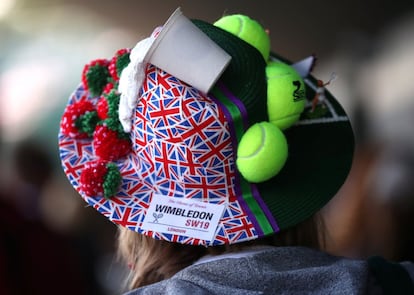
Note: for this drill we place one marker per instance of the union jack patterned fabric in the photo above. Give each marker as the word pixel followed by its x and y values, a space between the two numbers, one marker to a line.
pixel 182 147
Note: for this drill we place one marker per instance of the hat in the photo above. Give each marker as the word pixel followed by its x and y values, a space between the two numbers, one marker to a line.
pixel 175 175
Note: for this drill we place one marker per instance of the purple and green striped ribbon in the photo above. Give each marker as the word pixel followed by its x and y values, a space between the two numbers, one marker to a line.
pixel 247 193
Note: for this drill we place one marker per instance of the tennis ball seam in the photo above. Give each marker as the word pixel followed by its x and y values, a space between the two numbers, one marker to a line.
pixel 260 147
pixel 241 26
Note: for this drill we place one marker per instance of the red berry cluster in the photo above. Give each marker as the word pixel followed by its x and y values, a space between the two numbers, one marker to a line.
pixel 102 108
pixel 98 178
pixel 72 115
pixel 118 63
pixel 98 119
pixel 107 144
pixel 95 76
pixel 92 178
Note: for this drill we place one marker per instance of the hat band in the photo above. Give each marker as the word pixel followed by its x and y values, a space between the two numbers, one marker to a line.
pixel 246 193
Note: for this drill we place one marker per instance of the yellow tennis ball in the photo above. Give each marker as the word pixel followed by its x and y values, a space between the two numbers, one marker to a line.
pixel 248 30
pixel 262 152
pixel 286 94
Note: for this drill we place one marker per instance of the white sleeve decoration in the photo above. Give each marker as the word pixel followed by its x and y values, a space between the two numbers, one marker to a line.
pixel 131 80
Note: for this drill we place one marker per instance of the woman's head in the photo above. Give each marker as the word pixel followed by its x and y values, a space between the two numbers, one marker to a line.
pixel 175 177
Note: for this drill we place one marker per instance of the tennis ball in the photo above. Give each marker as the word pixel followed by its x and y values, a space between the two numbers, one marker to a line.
pixel 262 152
pixel 286 94
pixel 248 30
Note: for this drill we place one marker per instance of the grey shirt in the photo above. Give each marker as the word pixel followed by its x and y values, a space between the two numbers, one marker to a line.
pixel 281 270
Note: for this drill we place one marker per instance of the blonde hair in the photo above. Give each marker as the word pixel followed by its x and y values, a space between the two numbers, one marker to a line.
pixel 153 260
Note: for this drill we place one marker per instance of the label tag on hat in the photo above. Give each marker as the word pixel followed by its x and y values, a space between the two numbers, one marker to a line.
pixel 183 217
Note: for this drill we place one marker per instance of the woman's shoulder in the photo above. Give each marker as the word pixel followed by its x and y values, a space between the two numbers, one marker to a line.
pixel 291 270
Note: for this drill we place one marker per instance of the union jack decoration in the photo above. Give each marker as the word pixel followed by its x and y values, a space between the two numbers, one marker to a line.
pixel 181 147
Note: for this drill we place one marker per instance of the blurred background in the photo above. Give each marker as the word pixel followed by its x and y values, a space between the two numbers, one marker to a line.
pixel 51 241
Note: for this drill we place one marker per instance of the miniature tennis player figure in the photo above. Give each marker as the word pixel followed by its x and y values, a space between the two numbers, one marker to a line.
pixel 319 97
pixel 192 180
